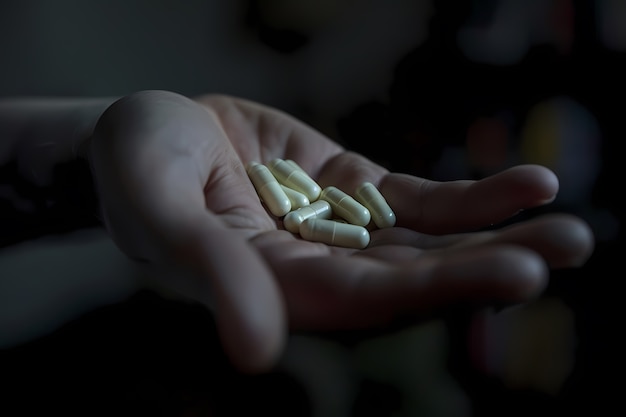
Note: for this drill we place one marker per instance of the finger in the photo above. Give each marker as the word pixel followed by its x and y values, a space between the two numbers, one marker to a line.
pixel 222 271
pixel 231 278
pixel 454 206
pixel 247 304
pixel 446 207
pixel 156 185
pixel 228 275
pixel 334 293
pixel 561 239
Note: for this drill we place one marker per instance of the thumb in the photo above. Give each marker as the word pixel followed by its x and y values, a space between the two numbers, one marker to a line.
pixel 151 184
pixel 228 275
pixel 167 224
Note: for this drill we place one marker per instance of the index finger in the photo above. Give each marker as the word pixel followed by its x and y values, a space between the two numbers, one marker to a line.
pixel 444 207
pixel 437 207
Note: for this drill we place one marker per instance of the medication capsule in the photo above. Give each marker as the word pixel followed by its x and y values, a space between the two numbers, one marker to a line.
pixel 294 178
pixel 345 206
pixel 296 198
pixel 335 233
pixel 268 189
pixel 318 209
pixel 368 195
pixel 294 164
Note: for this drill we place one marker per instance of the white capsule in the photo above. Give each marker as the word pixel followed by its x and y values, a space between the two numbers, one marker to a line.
pixel 368 195
pixel 345 206
pixel 318 209
pixel 296 198
pixel 268 189
pixel 335 233
pixel 294 178
pixel 294 164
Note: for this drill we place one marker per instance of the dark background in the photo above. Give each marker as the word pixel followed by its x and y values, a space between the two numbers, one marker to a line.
pixel 443 89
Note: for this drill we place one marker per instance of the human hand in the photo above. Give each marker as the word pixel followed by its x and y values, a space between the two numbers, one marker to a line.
pixel 170 175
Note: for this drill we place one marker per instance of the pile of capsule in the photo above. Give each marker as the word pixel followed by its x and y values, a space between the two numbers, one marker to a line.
pixel 326 215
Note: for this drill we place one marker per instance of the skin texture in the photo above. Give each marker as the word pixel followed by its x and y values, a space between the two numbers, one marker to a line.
pixel 174 194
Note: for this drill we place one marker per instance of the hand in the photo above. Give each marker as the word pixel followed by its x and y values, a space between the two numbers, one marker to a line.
pixel 174 193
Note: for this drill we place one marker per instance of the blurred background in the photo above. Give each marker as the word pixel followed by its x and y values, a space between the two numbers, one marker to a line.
pixel 453 89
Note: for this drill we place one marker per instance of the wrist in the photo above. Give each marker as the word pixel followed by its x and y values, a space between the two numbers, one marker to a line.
pixel 45 177
pixel 39 134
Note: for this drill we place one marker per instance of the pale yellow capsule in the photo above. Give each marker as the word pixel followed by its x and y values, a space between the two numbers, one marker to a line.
pixel 268 189
pixel 296 198
pixel 294 164
pixel 294 178
pixel 368 195
pixel 345 206
pixel 318 209
pixel 335 233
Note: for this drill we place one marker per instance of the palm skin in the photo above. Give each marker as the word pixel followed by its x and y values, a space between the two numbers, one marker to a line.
pixel 174 193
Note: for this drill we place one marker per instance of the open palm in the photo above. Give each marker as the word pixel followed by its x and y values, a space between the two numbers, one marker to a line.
pixel 170 173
